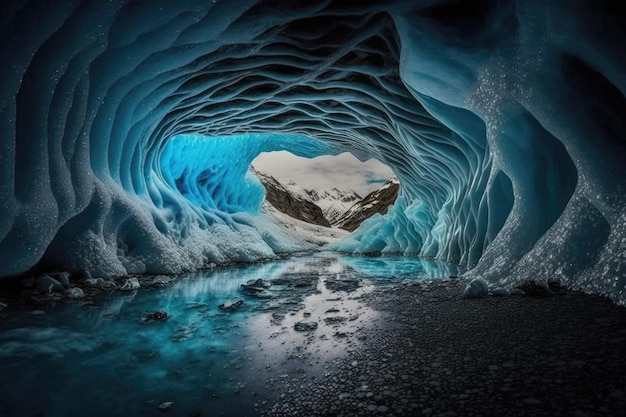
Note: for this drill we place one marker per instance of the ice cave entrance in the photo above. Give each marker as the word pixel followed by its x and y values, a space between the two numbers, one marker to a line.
pixel 214 172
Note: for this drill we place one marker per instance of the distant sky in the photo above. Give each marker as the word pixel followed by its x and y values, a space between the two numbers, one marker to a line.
pixel 343 171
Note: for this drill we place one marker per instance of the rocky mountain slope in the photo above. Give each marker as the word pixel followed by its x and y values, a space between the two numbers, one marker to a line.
pixel 342 209
pixel 294 205
pixel 375 202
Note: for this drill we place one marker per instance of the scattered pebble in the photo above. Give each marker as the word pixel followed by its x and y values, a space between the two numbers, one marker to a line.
pixel 131 284
pixel 156 316
pixel 476 288
pixel 166 405
pixel 228 306
pixel 75 293
pixel 305 326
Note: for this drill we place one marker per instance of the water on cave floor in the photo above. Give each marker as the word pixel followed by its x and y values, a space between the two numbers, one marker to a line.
pixel 80 359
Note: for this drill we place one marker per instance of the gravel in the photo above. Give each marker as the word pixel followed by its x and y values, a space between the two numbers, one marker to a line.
pixel 434 352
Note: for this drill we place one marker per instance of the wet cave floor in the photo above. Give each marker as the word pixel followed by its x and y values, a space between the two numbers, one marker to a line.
pixel 432 352
pixel 319 335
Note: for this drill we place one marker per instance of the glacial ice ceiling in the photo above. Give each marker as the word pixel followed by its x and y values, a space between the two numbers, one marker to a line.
pixel 503 120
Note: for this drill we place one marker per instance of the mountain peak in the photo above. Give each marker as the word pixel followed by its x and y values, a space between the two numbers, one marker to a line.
pixel 343 208
pixel 375 202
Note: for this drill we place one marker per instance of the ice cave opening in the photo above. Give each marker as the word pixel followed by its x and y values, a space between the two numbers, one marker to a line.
pixel 213 173
pixel 503 121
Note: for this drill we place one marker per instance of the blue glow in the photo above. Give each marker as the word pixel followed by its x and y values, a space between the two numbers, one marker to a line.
pixel 213 172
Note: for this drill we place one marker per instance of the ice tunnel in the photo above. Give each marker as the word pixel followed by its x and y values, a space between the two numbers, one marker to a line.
pixel 127 127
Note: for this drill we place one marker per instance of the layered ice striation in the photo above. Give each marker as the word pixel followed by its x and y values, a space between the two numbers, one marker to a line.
pixel 503 120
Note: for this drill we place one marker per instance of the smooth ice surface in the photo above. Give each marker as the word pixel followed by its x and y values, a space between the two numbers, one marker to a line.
pixel 104 360
pixel 503 121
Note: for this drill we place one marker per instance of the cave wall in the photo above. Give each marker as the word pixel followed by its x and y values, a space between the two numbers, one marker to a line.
pixel 503 120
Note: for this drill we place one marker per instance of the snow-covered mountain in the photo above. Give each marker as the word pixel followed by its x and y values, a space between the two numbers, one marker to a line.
pixel 333 202
pixel 375 202
pixel 297 205
pixel 340 208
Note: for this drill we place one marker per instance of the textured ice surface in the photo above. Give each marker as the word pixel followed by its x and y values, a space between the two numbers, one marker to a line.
pixel 503 120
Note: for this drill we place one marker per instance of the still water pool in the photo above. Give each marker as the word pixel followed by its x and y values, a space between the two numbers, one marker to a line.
pixel 104 358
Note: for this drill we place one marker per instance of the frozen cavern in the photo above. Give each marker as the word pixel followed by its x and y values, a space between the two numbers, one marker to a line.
pixel 127 129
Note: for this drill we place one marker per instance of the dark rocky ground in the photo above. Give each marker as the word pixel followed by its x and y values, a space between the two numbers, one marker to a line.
pixel 434 353
pixel 417 349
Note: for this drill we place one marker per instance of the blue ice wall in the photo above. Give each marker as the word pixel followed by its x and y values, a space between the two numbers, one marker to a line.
pixel 212 173
pixel 503 120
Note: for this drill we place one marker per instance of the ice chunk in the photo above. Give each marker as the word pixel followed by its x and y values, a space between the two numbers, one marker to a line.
pixel 48 284
pixel 75 293
pixel 131 284
pixel 476 288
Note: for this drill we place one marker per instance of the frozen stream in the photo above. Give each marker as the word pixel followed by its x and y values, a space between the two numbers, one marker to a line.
pixel 103 359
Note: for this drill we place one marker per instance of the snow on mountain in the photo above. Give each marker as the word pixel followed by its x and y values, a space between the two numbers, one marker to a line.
pixel 297 205
pixel 308 232
pixel 341 208
pixel 375 202
pixel 333 202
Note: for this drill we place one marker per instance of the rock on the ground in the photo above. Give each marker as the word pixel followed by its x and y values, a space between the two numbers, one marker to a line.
pixel 161 281
pixel 499 292
pixel 155 316
pixel 228 306
pixel 62 277
pixel 131 284
pixel 104 284
pixel 476 288
pixel 255 286
pixel 305 326
pixel 555 286
pixel 166 405
pixel 75 293
pixel 48 284
pixel 534 289
pixel 82 275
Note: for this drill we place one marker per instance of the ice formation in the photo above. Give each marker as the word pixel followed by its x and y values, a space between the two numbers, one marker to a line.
pixel 503 120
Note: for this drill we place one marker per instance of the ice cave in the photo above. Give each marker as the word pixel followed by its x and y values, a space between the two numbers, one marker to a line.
pixel 127 129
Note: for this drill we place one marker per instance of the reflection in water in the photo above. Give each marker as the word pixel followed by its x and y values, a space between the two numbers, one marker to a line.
pixel 399 266
pixel 105 360
pixel 197 286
